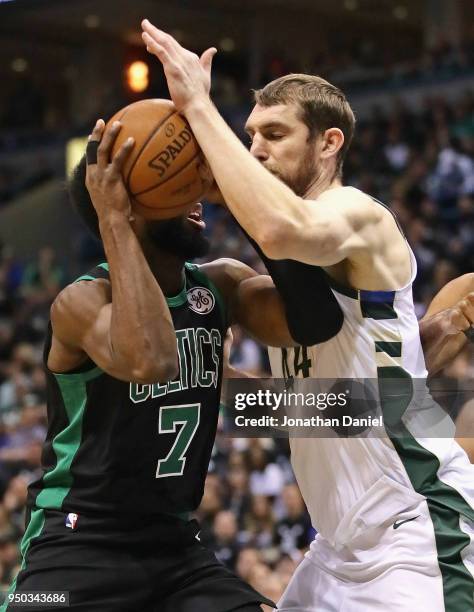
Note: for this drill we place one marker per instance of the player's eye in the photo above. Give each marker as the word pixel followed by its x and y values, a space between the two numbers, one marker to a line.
pixel 275 136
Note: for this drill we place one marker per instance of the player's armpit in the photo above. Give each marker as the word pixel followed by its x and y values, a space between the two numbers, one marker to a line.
pixel 259 309
pixel 252 301
pixel 81 321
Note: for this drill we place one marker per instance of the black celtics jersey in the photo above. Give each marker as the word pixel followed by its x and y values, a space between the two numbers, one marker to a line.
pixel 127 448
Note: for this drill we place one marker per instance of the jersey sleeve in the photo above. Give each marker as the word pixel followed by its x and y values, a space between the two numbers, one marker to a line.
pixel 312 311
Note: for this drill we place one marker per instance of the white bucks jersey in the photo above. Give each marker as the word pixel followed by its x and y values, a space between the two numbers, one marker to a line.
pixel 352 483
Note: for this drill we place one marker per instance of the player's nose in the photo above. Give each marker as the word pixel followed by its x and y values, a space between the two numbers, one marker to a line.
pixel 258 149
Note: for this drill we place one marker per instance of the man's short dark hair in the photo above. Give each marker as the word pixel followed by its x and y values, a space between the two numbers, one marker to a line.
pixel 80 198
pixel 321 105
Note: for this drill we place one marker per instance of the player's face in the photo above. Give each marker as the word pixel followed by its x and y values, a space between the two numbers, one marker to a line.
pixel 280 141
pixel 182 236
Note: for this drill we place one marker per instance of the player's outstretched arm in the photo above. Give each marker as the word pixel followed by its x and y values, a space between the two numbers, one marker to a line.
pixel 285 225
pixel 125 327
pixel 449 316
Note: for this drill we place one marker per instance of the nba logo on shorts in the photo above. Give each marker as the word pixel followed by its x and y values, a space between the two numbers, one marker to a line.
pixel 71 520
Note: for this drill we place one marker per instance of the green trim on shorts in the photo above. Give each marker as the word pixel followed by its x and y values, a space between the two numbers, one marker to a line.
pixel 445 504
pixel 34 529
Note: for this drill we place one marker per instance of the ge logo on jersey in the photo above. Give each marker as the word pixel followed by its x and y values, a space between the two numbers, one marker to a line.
pixel 201 300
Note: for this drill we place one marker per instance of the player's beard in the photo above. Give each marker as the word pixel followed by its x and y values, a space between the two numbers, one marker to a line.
pixel 306 174
pixel 178 237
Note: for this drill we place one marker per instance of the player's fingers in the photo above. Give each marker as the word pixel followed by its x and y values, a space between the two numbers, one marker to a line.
pixel 93 142
pixel 105 147
pixel 97 130
pixel 152 46
pixel 206 59
pixel 458 319
pixel 160 37
pixel 470 298
pixel 121 156
pixel 171 67
pixel 467 308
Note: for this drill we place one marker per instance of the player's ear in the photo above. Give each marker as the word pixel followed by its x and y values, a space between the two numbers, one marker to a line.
pixel 332 141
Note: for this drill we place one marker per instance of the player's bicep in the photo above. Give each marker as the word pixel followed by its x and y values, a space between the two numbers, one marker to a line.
pixel 450 294
pixel 81 319
pixel 259 309
pixel 327 234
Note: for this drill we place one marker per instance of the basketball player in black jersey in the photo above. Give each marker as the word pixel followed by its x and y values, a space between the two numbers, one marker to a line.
pixel 134 365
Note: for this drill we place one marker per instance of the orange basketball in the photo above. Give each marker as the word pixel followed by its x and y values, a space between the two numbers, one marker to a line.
pixel 162 171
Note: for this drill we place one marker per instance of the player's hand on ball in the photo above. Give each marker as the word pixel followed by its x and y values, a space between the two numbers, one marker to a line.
pixel 213 194
pixel 187 74
pixel 104 175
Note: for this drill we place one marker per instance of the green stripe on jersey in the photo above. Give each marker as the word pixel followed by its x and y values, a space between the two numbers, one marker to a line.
pixel 445 504
pixel 377 310
pixel 178 300
pixel 34 529
pixel 393 349
pixel 85 277
pixel 58 482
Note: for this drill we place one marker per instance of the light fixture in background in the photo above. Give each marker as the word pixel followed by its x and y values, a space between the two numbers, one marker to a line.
pixel 227 44
pixel 19 64
pixel 400 12
pixel 92 22
pixel 138 76
pixel 75 149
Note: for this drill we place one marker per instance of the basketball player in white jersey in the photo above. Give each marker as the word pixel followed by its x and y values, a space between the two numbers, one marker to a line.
pixel 394 515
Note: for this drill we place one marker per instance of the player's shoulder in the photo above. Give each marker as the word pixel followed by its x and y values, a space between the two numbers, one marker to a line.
pixel 80 301
pixel 226 274
pixel 225 267
pixel 355 201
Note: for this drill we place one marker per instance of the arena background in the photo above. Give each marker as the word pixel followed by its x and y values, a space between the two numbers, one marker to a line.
pixel 407 68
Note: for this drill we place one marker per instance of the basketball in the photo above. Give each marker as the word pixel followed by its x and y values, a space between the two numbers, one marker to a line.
pixel 162 171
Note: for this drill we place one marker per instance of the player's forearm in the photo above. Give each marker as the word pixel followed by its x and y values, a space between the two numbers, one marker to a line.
pixel 231 372
pixel 264 206
pixel 441 342
pixel 142 332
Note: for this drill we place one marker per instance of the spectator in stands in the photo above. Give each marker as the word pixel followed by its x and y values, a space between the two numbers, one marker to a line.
pixel 293 533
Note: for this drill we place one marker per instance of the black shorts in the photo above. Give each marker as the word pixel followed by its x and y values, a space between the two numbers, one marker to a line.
pixel 141 565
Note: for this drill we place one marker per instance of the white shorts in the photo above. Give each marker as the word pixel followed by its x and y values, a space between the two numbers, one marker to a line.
pixel 387 569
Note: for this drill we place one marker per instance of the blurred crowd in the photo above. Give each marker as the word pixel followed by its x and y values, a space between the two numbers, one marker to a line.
pixel 419 163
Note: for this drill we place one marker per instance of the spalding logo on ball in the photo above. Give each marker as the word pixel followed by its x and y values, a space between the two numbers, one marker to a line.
pixel 164 172
pixel 164 158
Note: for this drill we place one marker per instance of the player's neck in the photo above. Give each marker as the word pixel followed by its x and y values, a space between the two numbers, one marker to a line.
pixel 167 268
pixel 322 183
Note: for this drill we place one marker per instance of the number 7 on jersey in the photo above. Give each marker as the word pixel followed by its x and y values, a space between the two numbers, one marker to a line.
pixel 187 415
